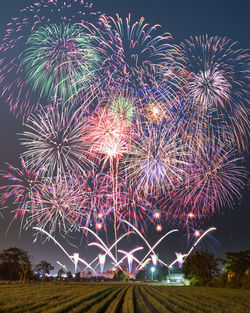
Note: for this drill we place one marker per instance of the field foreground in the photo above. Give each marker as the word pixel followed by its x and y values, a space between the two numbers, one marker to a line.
pixel 124 298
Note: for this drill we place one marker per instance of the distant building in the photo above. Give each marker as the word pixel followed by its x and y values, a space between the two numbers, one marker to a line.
pixel 177 279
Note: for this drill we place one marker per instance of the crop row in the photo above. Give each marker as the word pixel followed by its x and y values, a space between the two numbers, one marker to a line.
pixel 124 298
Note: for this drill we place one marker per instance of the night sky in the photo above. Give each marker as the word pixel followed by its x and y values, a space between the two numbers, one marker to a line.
pixel 181 18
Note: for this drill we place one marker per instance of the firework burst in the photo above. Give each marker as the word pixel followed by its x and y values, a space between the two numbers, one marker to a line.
pixel 58 207
pixel 53 45
pixel 107 136
pixel 96 197
pixel 59 60
pixel 121 124
pixel 54 140
pixel 217 73
pixel 155 163
pixel 133 48
pixel 23 187
pixel 214 180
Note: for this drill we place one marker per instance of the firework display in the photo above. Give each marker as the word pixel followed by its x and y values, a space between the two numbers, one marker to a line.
pixel 121 123
pixel 107 252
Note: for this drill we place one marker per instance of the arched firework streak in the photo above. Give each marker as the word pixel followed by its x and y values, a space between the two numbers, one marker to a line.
pixel 145 263
pixel 105 249
pixel 62 266
pixel 103 246
pixel 84 262
pixel 55 241
pixel 130 253
pixel 124 235
pixel 60 246
pixel 203 235
pixel 194 245
pixel 151 249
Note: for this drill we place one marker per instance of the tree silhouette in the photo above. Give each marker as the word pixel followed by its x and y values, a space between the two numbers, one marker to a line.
pixel 44 268
pixel 237 265
pixel 237 262
pixel 201 267
pixel 60 273
pixel 15 264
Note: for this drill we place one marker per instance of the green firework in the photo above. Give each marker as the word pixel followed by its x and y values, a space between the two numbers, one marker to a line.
pixel 122 107
pixel 60 61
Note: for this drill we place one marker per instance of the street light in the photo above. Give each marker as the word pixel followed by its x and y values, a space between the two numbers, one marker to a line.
pixel 152 270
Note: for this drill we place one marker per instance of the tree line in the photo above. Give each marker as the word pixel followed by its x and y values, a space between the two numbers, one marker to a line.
pixel 202 268
pixel 15 264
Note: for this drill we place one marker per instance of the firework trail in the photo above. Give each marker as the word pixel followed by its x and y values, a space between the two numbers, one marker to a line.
pixel 130 257
pixel 55 241
pixel 182 257
pixel 194 233
pixel 95 192
pixel 112 246
pixel 109 140
pixel 151 249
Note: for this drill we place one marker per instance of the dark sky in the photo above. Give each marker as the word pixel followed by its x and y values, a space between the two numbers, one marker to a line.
pixel 181 19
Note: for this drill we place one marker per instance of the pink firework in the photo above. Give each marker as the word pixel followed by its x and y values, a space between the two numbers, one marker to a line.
pixel 95 192
pixel 59 206
pixel 214 180
pixel 22 188
pixel 108 137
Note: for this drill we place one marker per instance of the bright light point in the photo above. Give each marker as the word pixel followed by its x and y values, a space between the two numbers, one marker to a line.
pixel 102 258
pixel 158 228
pixel 157 215
pixel 155 111
pixel 100 215
pixel 191 215
pixel 152 269
pixel 154 259
pixel 76 259
pixel 197 233
pixel 98 225
pixel 180 260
